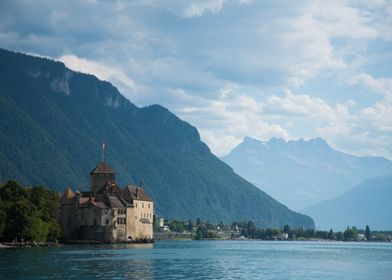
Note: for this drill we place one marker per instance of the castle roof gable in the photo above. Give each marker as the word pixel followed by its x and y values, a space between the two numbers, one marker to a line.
pixel 135 193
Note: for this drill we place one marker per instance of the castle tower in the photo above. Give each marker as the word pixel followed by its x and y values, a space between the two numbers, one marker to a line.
pixel 99 176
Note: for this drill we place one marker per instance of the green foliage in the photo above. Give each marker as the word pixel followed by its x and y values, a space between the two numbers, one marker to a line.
pixel 331 234
pixel 28 213
pixel 367 232
pixel 65 131
pixel 350 234
pixel 201 232
pixel 339 236
pixel 2 219
pixel 176 226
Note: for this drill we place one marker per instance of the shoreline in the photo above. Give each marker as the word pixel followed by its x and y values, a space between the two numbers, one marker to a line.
pixel 29 244
pixel 32 244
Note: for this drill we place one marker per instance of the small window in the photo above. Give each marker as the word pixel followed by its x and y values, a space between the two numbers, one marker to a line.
pixel 136 204
pixel 122 211
pixel 142 205
pixel 107 222
pixel 149 206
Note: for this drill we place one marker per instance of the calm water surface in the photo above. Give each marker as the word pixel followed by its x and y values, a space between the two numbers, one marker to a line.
pixel 202 260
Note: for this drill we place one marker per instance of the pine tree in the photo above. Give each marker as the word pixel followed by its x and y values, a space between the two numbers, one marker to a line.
pixel 367 233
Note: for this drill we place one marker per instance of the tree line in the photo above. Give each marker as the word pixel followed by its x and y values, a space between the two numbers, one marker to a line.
pixel 28 213
pixel 248 229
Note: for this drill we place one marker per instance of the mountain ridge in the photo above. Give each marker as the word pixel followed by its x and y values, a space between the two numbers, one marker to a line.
pixel 366 204
pixel 53 123
pixel 302 172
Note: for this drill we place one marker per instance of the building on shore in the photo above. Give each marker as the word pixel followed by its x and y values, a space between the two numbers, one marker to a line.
pixel 106 213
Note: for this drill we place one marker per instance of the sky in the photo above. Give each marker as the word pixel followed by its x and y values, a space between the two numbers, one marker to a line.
pixel 232 68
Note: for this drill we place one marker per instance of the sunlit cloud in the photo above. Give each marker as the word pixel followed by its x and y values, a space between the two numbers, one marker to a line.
pixel 232 68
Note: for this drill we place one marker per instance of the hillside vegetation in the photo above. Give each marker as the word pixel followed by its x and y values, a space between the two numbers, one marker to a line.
pixel 53 124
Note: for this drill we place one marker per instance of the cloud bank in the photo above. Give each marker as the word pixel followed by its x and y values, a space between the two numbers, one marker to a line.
pixel 232 68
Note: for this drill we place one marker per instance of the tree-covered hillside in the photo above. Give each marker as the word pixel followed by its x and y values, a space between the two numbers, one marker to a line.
pixel 54 121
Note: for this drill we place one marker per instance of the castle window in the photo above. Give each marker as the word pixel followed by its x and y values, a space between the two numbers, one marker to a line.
pixel 122 211
pixel 121 221
pixel 107 222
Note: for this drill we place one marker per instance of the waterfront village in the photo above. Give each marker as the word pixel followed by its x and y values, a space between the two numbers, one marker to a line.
pixel 108 213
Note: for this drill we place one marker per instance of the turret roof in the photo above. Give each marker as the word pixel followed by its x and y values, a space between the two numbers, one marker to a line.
pixel 102 168
pixel 68 193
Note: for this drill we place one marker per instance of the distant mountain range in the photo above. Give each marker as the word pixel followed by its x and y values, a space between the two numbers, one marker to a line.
pixel 302 173
pixel 54 121
pixel 366 204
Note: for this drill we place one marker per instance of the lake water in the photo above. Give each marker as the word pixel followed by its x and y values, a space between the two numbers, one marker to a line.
pixel 202 260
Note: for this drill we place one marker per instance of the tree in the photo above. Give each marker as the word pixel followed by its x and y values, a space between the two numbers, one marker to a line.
pixel 28 213
pixel 2 218
pixel 17 220
pixel 54 231
pixel 331 234
pixel 350 234
pixel 201 232
pixel 309 233
pixel 286 229
pixel 190 225
pixel 36 230
pixel 367 232
pixel 251 229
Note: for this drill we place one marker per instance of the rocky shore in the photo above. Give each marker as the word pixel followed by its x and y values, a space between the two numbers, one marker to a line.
pixel 28 244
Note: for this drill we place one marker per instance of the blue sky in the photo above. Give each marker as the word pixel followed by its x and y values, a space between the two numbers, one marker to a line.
pixel 235 68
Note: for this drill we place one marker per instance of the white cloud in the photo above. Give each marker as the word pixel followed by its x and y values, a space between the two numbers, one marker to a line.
pixel 301 105
pixel 102 71
pixel 225 74
pixel 198 8
pixel 381 85
pixel 228 120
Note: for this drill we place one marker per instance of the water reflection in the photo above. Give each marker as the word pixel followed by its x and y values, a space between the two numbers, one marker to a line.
pixel 201 260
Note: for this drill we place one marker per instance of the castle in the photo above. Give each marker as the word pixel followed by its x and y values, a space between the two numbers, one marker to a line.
pixel 106 213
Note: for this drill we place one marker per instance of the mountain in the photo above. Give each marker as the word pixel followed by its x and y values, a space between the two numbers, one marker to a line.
pixel 302 173
pixel 53 124
pixel 369 203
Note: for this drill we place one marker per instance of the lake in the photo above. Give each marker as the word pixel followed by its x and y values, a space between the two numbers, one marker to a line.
pixel 202 260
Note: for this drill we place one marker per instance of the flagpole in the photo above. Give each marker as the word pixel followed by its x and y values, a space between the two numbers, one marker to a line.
pixel 103 152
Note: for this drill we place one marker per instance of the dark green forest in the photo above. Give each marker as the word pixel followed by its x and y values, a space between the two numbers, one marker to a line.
pixel 28 214
pixel 53 122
